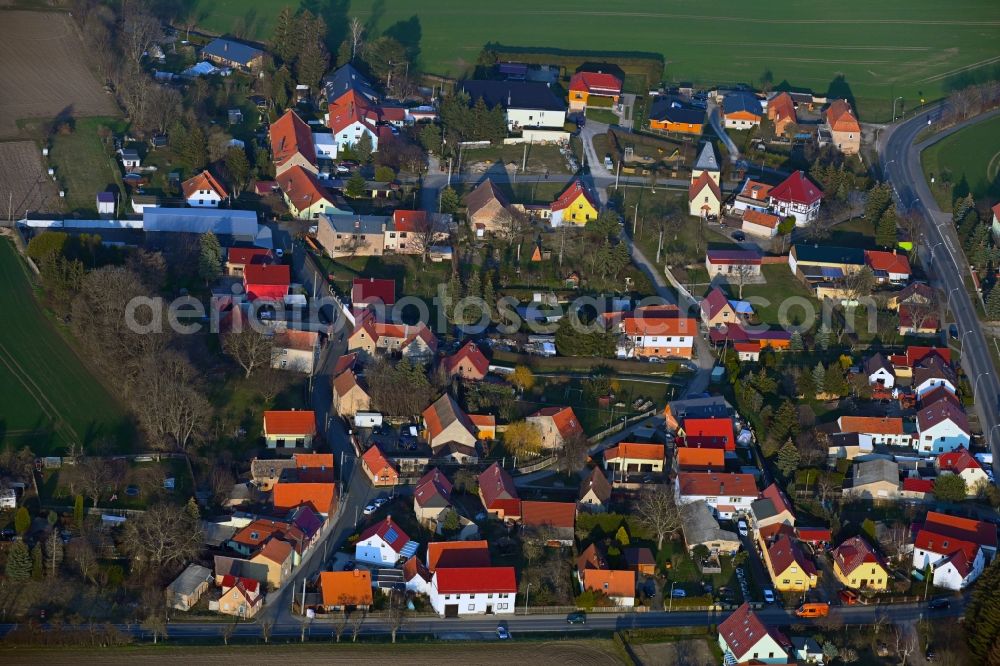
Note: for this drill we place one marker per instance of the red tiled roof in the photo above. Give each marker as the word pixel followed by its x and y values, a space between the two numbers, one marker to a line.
pixel 957 461
pixel 289 135
pixel 292 339
pixel 203 181
pixel 797 188
pixel 572 193
pixel 976 531
pixel 872 425
pixel 373 290
pixel 591 558
pixel 550 514
pixel 349 108
pixel 907 320
pixel 564 419
pixel 635 451
pixel 314 461
pixel 689 458
pixel 302 188
pixel 754 216
pixel 813 534
pixel 457 555
pixel 916 354
pixel 387 530
pixel 442 413
pixel 755 190
pixel 647 325
pixel 714 303
pixel 841 118
pixel 297 422
pixel 744 629
pixel 246 586
pixel 248 255
pixel 277 275
pixel 941 411
pixel 471 353
pixel 344 363
pixel 853 553
pixel 276 550
pixel 918 485
pixel 711 432
pixel 495 484
pixel 781 107
pixel 713 484
pixel 890 262
pixel 378 464
pixel 596 83
pixel 434 482
pixel 734 257
pixel 475 580
pixel 321 496
pixel 701 182
pixel 784 553
pixel 778 499
pixel 410 220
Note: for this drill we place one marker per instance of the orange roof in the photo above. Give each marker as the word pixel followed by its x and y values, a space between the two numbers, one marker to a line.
pixel 288 495
pixel 874 425
pixel 660 326
pixel 410 220
pixel 292 339
pixel 841 118
pixel 203 181
pixel 572 193
pixel 609 581
pixel 635 451
pixel 345 383
pixel 754 216
pixel 350 108
pixel 300 422
pixel 704 180
pixel 302 188
pixel 290 135
pixel 596 83
pixel 890 262
pixel 755 190
pixel 781 107
pixel 378 464
pixel 470 352
pixel 552 514
pixel 460 554
pixel 346 588
pixel 314 461
pixel 563 418
pixel 483 420
pixel 688 457
pixel 276 550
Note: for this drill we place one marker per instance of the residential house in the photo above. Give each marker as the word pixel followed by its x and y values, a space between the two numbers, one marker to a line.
pixel 886 430
pixel 650 336
pixel 741 110
pixel 921 490
pixel 627 458
pixel 350 395
pixel 771 510
pixel 432 498
pixel 744 638
pixel 343 590
pixel 707 162
pixel 289 429
pixel 238 258
pixel 916 293
pixel 796 196
pixel 844 127
pixel 713 433
pixel 716 310
pixel 379 469
pixel 367 292
pixel 700 528
pixel 353 116
pixel 556 425
pixel 592 557
pixel 931 372
pixel 527 104
pixel 762 225
pixel 416 577
pixel 266 282
pixel 704 197
pixel 297 351
pixel 586 85
pixel 807 651
pixel 692 459
pixel 384 543
pixel 777 339
pixel 958 549
pixel 727 494
pixel 942 426
pixel 781 112
pixel 879 371
pixel 185 591
pixel 414 342
pixel 204 190
pixel 747 351
pixel 130 158
pixel 552 522
pixel 415 231
pixel 617 585
pixel 233 54
pixel 352 235
pixel 874 480
pixel 457 555
pixel 670 113
pixel 486 426
pixel 790 569
pixel 833 262
pixel 640 560
pixel 714 406
pixel 467 363
pixel 292 144
pixel 498 493
pixel 446 423
pixel 265 472
pixel 487 209
pixel 241 597
pixel 473 591
pixel 745 263
pixel 311 481
pixel 574 206
pixel 962 463
pixel 346 78
pixel 595 492
pixel 278 556
pixel 891 267
pixel 752 196
pixel 858 566
pixel 916 320
pixel 305 196
pixel 995 227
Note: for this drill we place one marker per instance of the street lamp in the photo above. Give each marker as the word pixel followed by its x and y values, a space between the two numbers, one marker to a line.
pixel 975 386
pixel 894 108
pixel 670 606
pixel 526 594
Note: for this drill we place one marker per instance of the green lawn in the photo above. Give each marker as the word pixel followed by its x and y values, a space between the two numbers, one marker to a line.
pixel 853 233
pixel 781 285
pixel 47 397
pixel 605 116
pixel 83 164
pixel 907 48
pixel 971 155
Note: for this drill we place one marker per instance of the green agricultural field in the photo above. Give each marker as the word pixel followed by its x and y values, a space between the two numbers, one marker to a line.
pixel 47 397
pixel 83 165
pixel 884 49
pixel 972 154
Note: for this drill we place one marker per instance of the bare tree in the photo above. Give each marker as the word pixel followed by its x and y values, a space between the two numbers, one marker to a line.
pixel 741 276
pixel 895 540
pixel 169 404
pixel 357 620
pixel 140 30
pixel 572 455
pixel 81 553
pixel 156 624
pixel 906 643
pixel 163 537
pixel 340 626
pixel 228 630
pixel 658 512
pixel 95 476
pixel 250 348
pixel 266 627
pixel 397 612
pixel 357 34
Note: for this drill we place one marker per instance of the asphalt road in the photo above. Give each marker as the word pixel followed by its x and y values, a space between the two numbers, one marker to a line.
pixel 942 253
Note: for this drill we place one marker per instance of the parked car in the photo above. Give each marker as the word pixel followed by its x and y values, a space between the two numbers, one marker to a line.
pixel 678 594
pixel 742 526
pixel 769 595
pixel 576 618
pixel 502 633
pixel 739 236
pixel 369 510
pixel 813 610
pixel 939 604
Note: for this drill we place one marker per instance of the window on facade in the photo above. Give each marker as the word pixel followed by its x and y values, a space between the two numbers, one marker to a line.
pixel 472 607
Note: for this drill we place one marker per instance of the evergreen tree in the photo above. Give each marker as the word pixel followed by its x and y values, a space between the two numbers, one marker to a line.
pixel 281 86
pixel 238 167
pixel 967 227
pixel 78 512
pixel 473 288
pixel 312 63
pixel 819 377
pixel 363 148
pixel 834 381
pixel 962 207
pixel 982 615
pixel 210 258
pixel 194 148
pixel 786 421
pixel 788 459
pixel 449 201
pixel 879 200
pixel 993 303
pixel 455 294
pixel 36 562
pixel 355 185
pixel 490 296
pixel 284 40
pixel 950 488
pixel 823 337
pixel 192 510
pixel 885 232
pixel 805 384
pixel 22 520
pixel 795 343
pixel 18 562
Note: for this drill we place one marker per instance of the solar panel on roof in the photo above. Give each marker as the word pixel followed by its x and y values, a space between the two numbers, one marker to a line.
pixel 391 535
pixel 409 550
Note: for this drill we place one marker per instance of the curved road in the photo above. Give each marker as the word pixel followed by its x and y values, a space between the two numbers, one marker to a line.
pixel 942 254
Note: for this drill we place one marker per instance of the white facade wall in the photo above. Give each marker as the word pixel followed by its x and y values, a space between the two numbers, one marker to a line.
pixel 942 438
pixel 472 604
pixel 351 134
pixel 887 378
pixel 204 199
pixel 517 118
pixel 375 551
pixel 931 384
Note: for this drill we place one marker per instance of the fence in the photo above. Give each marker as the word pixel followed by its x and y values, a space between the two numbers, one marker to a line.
pixel 620 425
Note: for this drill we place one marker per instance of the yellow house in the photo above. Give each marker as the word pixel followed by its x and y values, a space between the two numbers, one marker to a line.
pixel 788 566
pixel 574 206
pixel 305 197
pixel 858 566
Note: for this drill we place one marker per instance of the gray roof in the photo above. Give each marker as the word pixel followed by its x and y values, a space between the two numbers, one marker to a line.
pixel 514 94
pixel 706 158
pixel 231 50
pixel 829 254
pixel 216 534
pixel 700 526
pixel 240 224
pixel 876 471
pixel 189 580
pixel 763 508
pixel 675 110
pixel 741 101
pixel 700 408
pixel 352 224
pixel 347 78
